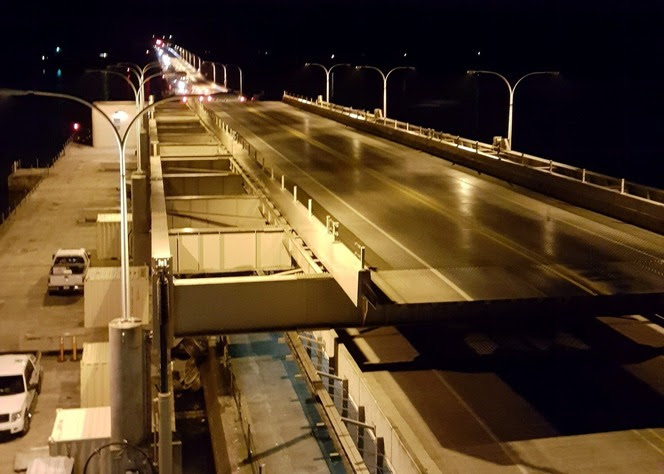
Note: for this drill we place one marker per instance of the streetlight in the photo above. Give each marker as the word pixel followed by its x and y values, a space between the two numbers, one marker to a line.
pixel 122 143
pixel 131 84
pixel 512 89
pixel 214 72
pixel 385 76
pixel 327 76
pixel 239 69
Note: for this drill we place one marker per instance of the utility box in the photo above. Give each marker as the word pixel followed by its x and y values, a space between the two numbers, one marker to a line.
pixel 108 236
pixel 95 379
pixel 77 432
pixel 103 293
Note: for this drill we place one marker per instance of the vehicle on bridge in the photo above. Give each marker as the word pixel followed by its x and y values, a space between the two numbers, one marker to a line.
pixel 68 270
pixel 20 382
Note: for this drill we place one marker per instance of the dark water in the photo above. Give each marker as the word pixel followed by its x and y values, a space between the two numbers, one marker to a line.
pixel 604 112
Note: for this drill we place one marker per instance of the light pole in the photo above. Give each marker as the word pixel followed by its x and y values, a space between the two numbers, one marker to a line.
pixel 139 104
pixel 385 77
pixel 214 72
pixel 511 90
pixel 122 144
pixel 327 76
pixel 240 70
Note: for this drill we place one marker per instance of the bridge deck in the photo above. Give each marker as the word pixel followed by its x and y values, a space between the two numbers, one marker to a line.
pixel 439 232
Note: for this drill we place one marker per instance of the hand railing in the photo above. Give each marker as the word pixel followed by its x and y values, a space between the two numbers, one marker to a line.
pixel 490 151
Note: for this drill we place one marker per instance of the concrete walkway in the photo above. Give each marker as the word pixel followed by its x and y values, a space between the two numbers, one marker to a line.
pixel 48 219
pixel 276 401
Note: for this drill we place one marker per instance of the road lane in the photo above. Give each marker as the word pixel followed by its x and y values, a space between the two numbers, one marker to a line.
pixel 451 219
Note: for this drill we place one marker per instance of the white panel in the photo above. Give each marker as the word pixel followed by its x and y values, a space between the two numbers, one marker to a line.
pixel 173 244
pixel 270 249
pixel 95 379
pixel 239 250
pixel 188 252
pixel 211 252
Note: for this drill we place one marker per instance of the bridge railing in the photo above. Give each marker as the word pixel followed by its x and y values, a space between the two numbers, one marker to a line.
pixel 499 152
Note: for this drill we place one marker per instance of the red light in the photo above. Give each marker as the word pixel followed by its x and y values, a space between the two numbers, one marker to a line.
pixel 77 126
pixel 158 42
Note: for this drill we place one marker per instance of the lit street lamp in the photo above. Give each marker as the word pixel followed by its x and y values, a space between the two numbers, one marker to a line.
pixel 214 72
pixel 122 143
pixel 512 89
pixel 327 76
pixel 239 69
pixel 385 77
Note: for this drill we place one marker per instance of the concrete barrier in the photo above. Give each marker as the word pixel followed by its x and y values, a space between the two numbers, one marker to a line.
pixel 631 209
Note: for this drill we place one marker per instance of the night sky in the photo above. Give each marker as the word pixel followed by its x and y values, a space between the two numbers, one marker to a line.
pixel 604 112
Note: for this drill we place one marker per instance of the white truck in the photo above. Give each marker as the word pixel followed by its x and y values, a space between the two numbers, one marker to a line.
pixel 20 381
pixel 68 270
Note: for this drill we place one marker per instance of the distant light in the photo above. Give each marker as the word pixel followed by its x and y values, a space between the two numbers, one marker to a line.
pixel 59 73
pixel 332 57
pixel 405 54
pixel 103 55
pixel 170 36
pixel 158 42
pixel 43 58
pixel 77 126
pixel 478 53
pixel 147 51
pixel 184 99
pixel 243 98
pixel 57 49
pixel 209 98
pixel 43 71
pixel 200 98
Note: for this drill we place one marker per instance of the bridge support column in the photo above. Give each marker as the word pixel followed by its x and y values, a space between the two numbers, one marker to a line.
pixel 144 145
pixel 129 396
pixel 140 219
pixel 163 330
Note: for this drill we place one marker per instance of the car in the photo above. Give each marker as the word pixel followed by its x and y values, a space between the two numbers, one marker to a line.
pixel 20 382
pixel 68 270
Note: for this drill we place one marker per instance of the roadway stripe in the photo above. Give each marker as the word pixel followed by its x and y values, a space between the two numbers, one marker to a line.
pixel 484 426
pixel 576 280
pixel 653 445
pixel 423 262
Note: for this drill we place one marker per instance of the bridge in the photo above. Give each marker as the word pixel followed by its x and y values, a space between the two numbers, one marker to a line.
pixel 408 272
pixel 304 215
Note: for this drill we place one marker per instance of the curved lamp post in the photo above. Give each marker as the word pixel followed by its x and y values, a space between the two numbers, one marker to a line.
pixel 327 76
pixel 114 73
pixel 511 90
pixel 385 77
pixel 214 72
pixel 122 143
pixel 240 70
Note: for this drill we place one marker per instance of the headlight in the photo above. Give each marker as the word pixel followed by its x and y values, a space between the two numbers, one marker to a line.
pixel 16 416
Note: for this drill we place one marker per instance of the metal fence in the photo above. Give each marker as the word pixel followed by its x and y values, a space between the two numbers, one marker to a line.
pixel 496 151
pixel 364 435
pixel 5 214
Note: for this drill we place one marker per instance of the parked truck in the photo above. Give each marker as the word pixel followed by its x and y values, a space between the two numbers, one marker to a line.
pixel 20 382
pixel 68 270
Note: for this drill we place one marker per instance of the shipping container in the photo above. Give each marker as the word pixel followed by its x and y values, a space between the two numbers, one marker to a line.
pixel 95 378
pixel 108 235
pixel 102 295
pixel 54 465
pixel 77 432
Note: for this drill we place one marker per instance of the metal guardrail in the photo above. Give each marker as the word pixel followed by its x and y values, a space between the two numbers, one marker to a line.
pixel 618 185
pixel 5 214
